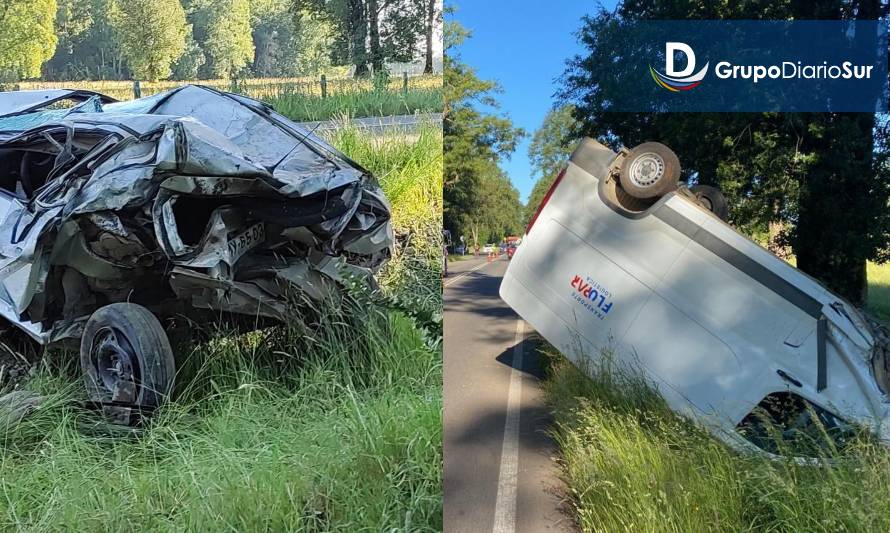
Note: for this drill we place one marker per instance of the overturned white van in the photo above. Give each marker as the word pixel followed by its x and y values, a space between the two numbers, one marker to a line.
pixel 619 255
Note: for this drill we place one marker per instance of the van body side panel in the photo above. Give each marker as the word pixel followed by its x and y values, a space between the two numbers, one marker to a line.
pixel 710 316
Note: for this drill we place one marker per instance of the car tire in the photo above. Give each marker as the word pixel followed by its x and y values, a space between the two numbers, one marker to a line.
pixel 650 170
pixel 711 199
pixel 126 358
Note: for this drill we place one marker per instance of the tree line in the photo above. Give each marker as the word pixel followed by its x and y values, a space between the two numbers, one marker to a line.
pixel 480 202
pixel 816 185
pixel 200 39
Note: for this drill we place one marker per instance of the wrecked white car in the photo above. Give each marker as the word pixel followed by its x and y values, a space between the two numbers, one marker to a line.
pixel 618 255
pixel 115 214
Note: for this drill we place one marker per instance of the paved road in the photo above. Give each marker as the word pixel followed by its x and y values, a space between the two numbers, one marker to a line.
pixel 378 125
pixel 499 472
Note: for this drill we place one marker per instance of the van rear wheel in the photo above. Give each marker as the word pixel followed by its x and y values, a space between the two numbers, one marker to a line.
pixel 650 170
pixel 711 199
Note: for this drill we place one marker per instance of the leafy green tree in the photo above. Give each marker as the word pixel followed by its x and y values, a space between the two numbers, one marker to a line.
pixel 311 42
pixel 192 59
pixel 549 151
pixel 27 36
pixel 368 33
pixel 151 34
pixel 229 42
pixel 475 140
pixel 88 47
pixel 432 16
pixel 821 177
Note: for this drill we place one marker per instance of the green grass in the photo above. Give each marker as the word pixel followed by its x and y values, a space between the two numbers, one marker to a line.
pixel 631 464
pixel 410 171
pixel 331 423
pixel 879 291
pixel 355 104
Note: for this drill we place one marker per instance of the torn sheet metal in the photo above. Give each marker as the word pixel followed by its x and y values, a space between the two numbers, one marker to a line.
pixel 191 196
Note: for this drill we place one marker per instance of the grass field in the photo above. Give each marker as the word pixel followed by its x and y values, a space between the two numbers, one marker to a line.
pixel 300 98
pixel 259 88
pixel 631 464
pixel 332 422
pixel 356 104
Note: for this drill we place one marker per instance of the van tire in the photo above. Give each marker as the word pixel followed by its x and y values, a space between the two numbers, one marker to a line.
pixel 650 170
pixel 711 199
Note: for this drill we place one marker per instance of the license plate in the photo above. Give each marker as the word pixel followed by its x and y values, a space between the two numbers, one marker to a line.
pixel 246 241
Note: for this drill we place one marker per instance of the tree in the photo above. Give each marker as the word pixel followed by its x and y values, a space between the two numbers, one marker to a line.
pixel 27 36
pixel 368 33
pixel 88 47
pixel 433 13
pixel 229 42
pixel 311 43
pixel 151 34
pixel 815 175
pixel 358 26
pixel 549 151
pixel 192 59
pixel 475 140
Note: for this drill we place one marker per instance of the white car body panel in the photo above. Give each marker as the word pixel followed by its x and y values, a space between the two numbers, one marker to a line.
pixel 711 317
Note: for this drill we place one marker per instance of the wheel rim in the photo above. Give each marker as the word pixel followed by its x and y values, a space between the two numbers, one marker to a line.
pixel 116 365
pixel 646 169
pixel 706 202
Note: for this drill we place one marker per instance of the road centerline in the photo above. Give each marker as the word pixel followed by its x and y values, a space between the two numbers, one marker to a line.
pixel 467 273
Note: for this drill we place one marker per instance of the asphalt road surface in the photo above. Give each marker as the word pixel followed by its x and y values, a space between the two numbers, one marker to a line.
pixel 499 470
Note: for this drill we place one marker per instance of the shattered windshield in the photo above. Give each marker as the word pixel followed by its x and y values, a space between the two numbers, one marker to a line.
pixel 31 120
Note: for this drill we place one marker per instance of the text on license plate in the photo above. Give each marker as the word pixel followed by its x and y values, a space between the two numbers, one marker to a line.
pixel 245 241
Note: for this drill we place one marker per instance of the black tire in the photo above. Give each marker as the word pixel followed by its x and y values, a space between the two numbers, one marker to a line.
pixel 125 357
pixel 650 170
pixel 711 199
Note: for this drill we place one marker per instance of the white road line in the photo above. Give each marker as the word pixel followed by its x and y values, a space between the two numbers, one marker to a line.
pixel 505 504
pixel 467 273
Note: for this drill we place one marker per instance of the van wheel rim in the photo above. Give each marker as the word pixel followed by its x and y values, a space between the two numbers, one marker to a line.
pixel 646 169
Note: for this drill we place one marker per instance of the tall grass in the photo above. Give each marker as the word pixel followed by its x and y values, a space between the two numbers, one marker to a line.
pixel 631 464
pixel 879 291
pixel 410 171
pixel 258 88
pixel 329 423
pixel 356 104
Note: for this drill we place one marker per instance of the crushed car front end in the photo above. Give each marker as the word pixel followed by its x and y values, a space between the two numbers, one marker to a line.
pixel 189 199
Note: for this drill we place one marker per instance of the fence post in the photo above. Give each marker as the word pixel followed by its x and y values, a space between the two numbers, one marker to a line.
pixel 405 81
pixel 137 89
pixel 324 86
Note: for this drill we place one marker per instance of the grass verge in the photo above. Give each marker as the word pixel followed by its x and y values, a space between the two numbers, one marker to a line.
pixel 879 291
pixel 356 104
pixel 330 423
pixel 631 464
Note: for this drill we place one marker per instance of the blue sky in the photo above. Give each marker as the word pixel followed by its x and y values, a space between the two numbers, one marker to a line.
pixel 523 44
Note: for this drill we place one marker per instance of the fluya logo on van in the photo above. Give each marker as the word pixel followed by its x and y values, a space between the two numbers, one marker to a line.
pixel 592 296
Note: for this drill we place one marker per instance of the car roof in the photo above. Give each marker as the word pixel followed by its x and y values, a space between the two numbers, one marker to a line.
pixel 18 102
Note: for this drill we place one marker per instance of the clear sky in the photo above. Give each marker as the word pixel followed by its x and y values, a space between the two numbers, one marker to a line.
pixel 523 44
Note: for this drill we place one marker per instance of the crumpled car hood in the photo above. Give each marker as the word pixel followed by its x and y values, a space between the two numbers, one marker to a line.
pixel 193 198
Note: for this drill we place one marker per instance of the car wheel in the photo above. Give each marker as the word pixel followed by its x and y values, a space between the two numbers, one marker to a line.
pixel 711 199
pixel 650 170
pixel 126 358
